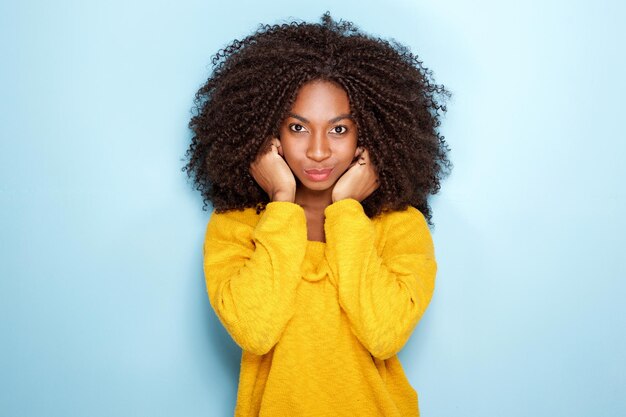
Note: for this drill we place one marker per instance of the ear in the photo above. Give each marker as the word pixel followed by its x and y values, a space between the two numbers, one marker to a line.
pixel 358 151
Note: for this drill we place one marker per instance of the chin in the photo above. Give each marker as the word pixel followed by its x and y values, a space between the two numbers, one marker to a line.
pixel 318 185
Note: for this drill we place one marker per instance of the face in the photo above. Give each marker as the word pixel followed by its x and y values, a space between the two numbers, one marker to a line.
pixel 319 136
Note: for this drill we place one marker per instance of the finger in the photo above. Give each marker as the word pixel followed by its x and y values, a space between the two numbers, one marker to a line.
pixel 279 147
pixel 273 149
pixel 366 160
pixel 275 143
pixel 268 145
pixel 363 158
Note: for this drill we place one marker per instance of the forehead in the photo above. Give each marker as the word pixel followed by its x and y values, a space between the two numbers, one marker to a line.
pixel 321 100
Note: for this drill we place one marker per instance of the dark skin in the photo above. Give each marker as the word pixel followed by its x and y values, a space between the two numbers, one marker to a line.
pixel 318 136
pixel 393 100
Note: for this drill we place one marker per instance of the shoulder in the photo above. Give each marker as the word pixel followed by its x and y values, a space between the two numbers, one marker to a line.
pixel 245 217
pixel 404 230
pixel 232 224
pixel 409 217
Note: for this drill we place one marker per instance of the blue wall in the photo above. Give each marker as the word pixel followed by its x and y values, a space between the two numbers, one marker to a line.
pixel 103 309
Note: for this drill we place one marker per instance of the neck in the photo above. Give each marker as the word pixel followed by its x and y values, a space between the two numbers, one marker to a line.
pixel 312 199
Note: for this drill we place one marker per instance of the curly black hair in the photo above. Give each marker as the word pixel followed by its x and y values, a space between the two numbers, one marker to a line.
pixel 393 98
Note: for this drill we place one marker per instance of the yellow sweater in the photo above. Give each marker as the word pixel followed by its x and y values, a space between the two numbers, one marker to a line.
pixel 320 324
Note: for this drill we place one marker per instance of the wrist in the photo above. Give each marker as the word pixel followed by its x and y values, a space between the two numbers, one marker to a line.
pixel 288 196
pixel 338 197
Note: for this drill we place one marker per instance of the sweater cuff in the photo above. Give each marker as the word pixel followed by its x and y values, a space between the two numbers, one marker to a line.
pixel 339 208
pixel 283 206
pixel 282 217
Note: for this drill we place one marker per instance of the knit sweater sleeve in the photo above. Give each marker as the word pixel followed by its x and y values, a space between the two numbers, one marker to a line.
pixel 383 294
pixel 252 273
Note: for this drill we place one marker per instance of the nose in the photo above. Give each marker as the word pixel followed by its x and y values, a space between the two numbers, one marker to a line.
pixel 319 147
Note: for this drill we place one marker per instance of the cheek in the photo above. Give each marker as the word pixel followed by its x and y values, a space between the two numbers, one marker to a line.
pixel 347 152
pixel 290 153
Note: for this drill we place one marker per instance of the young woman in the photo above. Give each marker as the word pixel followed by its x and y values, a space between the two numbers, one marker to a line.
pixel 318 147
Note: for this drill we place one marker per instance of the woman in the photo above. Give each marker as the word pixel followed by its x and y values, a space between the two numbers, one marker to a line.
pixel 318 146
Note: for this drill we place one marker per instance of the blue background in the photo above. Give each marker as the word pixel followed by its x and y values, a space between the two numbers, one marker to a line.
pixel 103 308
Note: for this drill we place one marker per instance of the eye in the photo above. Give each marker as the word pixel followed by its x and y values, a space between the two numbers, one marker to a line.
pixel 295 127
pixel 340 130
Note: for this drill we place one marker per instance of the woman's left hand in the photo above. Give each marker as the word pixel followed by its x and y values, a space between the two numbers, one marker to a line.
pixel 359 181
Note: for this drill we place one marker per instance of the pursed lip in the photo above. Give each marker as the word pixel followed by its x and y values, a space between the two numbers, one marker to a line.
pixel 318 174
pixel 318 171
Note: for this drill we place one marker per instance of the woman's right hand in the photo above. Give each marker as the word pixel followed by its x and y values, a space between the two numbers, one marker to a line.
pixel 273 174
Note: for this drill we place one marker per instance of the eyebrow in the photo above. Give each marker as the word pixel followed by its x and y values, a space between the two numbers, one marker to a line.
pixel 333 120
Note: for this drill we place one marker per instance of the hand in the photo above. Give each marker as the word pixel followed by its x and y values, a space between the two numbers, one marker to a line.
pixel 273 174
pixel 359 181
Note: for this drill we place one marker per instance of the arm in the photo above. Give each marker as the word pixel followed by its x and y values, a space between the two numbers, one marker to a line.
pixel 385 295
pixel 252 273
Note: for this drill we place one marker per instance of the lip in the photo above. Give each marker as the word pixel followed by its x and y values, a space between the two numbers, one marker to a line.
pixel 318 174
